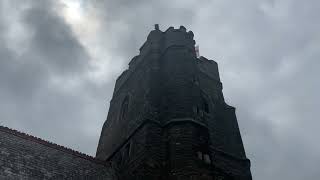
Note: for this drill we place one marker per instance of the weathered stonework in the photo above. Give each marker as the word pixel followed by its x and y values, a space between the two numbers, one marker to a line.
pixel 168 118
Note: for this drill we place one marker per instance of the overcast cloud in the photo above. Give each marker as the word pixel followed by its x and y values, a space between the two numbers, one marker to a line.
pixel 59 60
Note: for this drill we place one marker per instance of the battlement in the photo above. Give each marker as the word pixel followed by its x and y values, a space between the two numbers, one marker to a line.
pixel 158 41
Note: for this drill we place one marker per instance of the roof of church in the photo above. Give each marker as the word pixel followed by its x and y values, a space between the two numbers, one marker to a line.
pixel 50 144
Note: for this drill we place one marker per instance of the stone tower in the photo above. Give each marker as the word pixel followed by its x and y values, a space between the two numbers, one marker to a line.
pixel 168 119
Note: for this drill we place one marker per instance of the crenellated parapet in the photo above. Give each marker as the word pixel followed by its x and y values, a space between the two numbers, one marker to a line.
pixel 158 41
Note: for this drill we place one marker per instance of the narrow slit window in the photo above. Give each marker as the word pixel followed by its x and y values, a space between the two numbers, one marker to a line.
pixel 127 150
pixel 206 107
pixel 124 109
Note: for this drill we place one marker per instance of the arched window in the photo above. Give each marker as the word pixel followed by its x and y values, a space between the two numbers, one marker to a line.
pixel 124 108
pixel 205 105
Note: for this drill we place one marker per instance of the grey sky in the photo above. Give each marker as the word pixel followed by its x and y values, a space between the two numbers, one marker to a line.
pixel 59 60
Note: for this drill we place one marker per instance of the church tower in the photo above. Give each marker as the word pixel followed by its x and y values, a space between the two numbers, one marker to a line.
pixel 168 119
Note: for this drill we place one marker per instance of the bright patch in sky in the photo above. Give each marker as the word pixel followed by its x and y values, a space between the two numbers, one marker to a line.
pixel 73 10
pixel 81 18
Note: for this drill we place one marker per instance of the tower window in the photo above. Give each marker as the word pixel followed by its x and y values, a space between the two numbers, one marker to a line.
pixel 124 108
pixel 202 148
pixel 195 80
pixel 204 104
pixel 207 159
pixel 204 157
pixel 205 107
pixel 200 155
pixel 126 153
pixel 127 149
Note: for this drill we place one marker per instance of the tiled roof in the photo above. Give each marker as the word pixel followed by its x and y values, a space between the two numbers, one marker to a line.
pixel 50 144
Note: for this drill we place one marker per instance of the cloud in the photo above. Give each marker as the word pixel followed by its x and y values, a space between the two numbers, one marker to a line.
pixel 44 86
pixel 57 74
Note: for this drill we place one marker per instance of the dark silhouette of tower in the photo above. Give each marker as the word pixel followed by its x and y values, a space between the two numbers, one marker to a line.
pixel 168 118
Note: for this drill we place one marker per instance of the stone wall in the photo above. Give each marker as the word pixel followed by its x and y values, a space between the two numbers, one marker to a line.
pixel 27 157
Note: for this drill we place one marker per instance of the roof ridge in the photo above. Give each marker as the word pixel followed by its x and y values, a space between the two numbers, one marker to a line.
pixel 50 144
